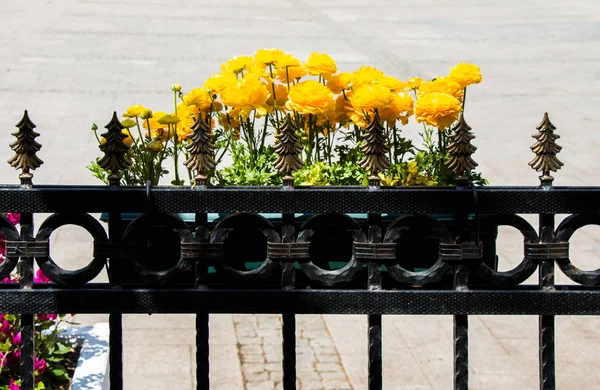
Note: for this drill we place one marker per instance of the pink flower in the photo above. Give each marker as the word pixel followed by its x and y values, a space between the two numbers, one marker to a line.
pixel 14 218
pixel 39 365
pixel 5 327
pixel 16 338
pixel 13 385
pixel 47 317
pixel 2 359
pixel 40 277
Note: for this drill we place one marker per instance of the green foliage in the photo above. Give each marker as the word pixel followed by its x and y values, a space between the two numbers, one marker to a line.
pixel 259 173
pixel 320 174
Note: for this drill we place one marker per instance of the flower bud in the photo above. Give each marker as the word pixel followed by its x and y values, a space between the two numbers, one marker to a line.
pixel 175 87
pixel 146 114
pixel 154 146
pixel 94 127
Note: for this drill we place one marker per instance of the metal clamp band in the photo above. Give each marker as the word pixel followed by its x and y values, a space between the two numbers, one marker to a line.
pixel 459 252
pixel 286 251
pixel 367 251
pixel 27 248
pixel 546 251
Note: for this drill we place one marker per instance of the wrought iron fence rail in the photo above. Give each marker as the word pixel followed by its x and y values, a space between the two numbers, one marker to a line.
pixel 564 301
pixel 428 200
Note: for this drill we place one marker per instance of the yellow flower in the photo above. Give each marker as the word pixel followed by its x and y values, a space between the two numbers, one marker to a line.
pixel 246 94
pixel 127 140
pixel 414 82
pixel 281 93
pixel 392 83
pixel 443 85
pixel 401 108
pixel 287 60
pixel 218 82
pixel 175 87
pixel 465 74
pixel 268 56
pixel 369 97
pixel 310 97
pixel 134 111
pixel 438 109
pixel 199 98
pixel 187 116
pixel 340 111
pixel 128 123
pixel 236 64
pixel 320 64
pixel 294 73
pixel 366 75
pixel 339 82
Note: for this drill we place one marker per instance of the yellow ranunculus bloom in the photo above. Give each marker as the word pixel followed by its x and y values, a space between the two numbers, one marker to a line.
pixel 370 97
pixel 414 82
pixel 366 75
pixel 218 82
pixel 465 74
pixel 134 111
pixel 236 64
pixel 294 73
pixel 310 97
pixel 400 108
pixel 199 98
pixel 128 123
pixel 187 116
pixel 230 122
pixel 438 109
pixel 127 140
pixel 287 60
pixel 320 64
pixel 246 94
pixel 340 111
pixel 339 82
pixel 442 85
pixel 281 93
pixel 392 83
pixel 268 56
pixel 155 145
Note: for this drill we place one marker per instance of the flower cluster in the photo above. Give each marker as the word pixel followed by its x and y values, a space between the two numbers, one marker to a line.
pixel 247 101
pixel 49 353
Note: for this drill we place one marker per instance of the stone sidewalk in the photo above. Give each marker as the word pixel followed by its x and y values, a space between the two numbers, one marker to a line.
pixel 71 63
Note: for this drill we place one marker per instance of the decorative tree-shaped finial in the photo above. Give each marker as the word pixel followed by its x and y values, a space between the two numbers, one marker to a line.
pixel 545 150
pixel 114 159
pixel 375 150
pixel 25 148
pixel 460 149
pixel 202 151
pixel 288 149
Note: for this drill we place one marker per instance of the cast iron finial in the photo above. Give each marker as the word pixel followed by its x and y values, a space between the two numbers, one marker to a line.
pixel 114 159
pixel 288 150
pixel 375 150
pixel 461 149
pixel 545 150
pixel 25 148
pixel 202 151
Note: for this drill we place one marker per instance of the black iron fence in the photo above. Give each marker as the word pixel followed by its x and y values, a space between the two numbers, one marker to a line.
pixel 325 250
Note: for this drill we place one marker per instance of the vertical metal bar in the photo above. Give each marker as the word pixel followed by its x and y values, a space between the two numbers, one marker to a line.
pixel 288 317
pixel 461 335
pixel 547 364
pixel 115 318
pixel 202 316
pixel 27 326
pixel 374 282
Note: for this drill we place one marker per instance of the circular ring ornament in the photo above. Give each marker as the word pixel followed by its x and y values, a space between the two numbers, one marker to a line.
pixel 82 275
pixel 323 221
pixel 183 265
pixel 527 266
pixel 563 233
pixel 243 220
pixel 433 274
pixel 10 233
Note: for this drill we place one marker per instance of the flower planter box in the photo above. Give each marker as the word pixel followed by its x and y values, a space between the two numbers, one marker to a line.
pixel 91 372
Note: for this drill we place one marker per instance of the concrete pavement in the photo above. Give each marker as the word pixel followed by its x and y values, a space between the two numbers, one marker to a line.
pixel 71 63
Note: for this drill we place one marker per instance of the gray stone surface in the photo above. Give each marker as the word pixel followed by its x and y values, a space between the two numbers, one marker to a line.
pixel 71 63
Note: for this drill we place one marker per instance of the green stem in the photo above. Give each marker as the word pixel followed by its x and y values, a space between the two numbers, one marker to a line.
pixel 394 136
pixel 464 99
pixel 274 96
